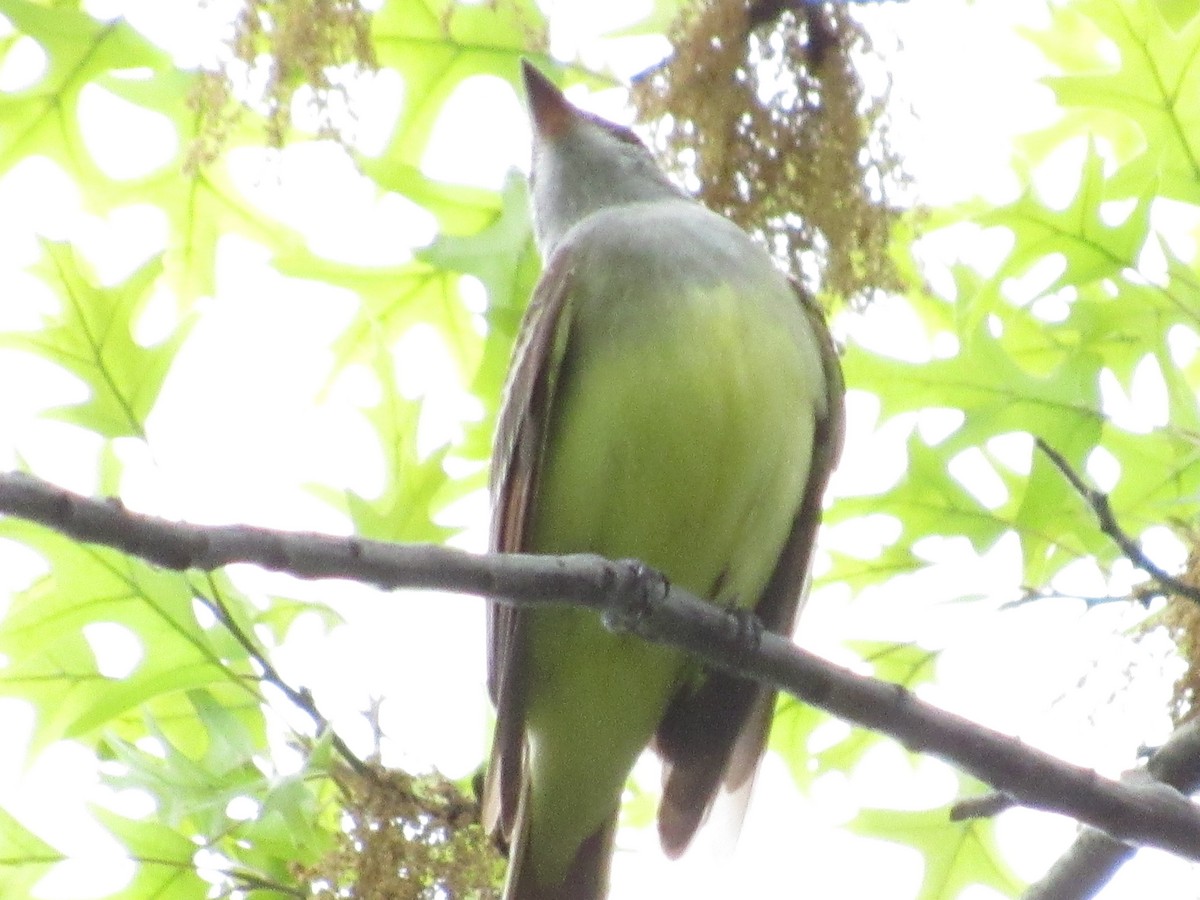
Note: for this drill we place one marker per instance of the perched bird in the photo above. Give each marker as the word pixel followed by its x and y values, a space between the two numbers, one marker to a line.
pixel 673 398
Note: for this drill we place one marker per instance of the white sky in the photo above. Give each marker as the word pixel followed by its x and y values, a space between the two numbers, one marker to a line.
pixel 973 83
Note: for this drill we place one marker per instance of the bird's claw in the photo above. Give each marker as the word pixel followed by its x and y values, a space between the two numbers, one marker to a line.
pixel 635 589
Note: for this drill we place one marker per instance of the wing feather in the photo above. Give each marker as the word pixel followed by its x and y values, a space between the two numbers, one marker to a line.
pixel 516 462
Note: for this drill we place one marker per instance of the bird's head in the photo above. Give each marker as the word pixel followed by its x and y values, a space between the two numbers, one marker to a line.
pixel 582 163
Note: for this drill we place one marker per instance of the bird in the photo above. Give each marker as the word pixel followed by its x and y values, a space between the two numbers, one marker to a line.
pixel 674 398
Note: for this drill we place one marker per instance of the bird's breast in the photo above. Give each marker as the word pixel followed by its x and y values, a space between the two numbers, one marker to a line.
pixel 680 435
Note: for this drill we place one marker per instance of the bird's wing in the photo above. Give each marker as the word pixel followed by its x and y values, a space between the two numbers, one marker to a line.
pixel 516 461
pixel 716 733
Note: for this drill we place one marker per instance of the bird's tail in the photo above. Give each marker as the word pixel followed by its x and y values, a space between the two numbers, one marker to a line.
pixel 587 878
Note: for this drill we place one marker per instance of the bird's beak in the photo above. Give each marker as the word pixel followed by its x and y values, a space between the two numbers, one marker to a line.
pixel 548 108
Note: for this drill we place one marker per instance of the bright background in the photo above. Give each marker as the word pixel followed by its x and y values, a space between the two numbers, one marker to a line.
pixel 1035 671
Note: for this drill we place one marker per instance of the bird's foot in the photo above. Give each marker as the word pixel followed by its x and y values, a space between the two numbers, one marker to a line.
pixel 745 635
pixel 635 591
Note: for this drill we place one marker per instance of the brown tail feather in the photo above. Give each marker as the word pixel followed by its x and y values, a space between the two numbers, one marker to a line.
pixel 587 878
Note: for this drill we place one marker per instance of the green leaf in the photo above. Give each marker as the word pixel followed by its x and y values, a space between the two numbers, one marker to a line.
pixel 929 501
pixel 791 731
pixel 394 300
pixel 857 572
pixel 1160 477
pixel 1055 525
pixel 413 486
pixel 52 665
pixel 166 869
pixel 92 337
pixel 193 791
pixel 1092 248
pixel 436 44
pixel 1156 83
pixel 906 664
pixel 504 259
pixel 459 209
pixel 282 612
pixel 997 397
pixel 24 858
pixel 500 253
pixel 43 119
pixel 792 728
pixel 202 204
pixel 983 381
pixel 191 788
pixel 287 829
pixel 957 855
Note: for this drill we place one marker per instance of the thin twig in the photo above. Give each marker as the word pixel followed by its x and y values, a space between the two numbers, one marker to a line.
pixel 1100 505
pixel 301 698
pixel 985 806
pixel 247 881
pixel 1142 593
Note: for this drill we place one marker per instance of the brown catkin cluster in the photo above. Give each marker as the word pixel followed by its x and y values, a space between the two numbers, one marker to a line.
pixel 762 110
pixel 407 837
pixel 1181 618
pixel 300 44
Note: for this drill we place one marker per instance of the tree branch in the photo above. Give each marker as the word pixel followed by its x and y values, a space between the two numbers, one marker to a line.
pixel 634 599
pixel 1095 856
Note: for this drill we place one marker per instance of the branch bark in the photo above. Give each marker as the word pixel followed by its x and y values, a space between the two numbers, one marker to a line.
pixel 1095 856
pixel 634 599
